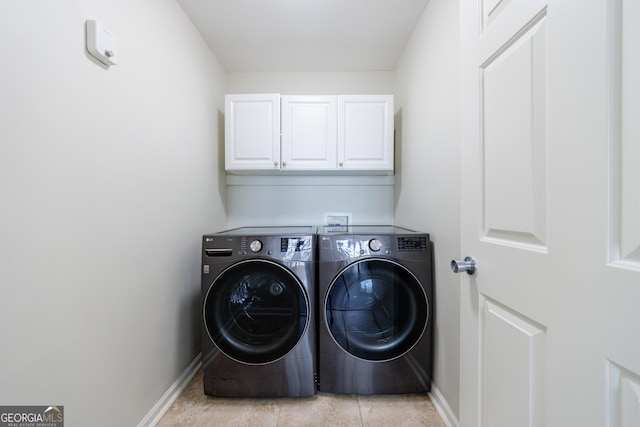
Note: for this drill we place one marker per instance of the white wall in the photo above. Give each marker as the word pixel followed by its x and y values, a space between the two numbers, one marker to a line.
pixel 427 181
pixel 304 200
pixel 292 200
pixel 312 83
pixel 108 179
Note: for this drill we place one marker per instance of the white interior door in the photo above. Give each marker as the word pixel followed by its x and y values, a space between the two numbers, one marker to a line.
pixel 551 213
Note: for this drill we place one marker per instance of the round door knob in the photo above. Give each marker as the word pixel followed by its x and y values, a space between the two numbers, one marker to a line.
pixel 468 264
pixel 375 245
pixel 255 246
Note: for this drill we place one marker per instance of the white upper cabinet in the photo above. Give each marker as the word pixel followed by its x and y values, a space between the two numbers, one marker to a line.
pixel 365 132
pixel 309 133
pixel 252 132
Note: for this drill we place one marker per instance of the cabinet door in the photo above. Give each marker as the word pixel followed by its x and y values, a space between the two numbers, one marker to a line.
pixel 309 132
pixel 365 132
pixel 252 132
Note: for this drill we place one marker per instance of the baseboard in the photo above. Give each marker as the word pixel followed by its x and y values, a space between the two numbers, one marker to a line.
pixel 443 408
pixel 162 406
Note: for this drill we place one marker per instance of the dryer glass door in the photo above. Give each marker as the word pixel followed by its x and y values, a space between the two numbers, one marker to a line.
pixel 256 311
pixel 376 309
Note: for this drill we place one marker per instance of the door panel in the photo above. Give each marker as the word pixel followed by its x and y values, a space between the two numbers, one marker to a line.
pixel 513 85
pixel 551 213
pixel 505 210
pixel 623 402
pixel 252 132
pixel 256 311
pixel 626 138
pixel 512 367
pixel 376 310
pixel 309 132
pixel 624 397
pixel 365 132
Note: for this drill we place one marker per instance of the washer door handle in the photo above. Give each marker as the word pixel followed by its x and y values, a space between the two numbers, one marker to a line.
pixel 468 264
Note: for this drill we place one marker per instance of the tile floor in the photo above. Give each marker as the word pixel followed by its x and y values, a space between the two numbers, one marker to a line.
pixel 193 408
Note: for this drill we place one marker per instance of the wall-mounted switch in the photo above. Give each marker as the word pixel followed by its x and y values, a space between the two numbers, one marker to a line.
pixel 101 43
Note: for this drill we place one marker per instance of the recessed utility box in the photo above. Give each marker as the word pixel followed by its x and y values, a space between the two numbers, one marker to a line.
pixel 341 219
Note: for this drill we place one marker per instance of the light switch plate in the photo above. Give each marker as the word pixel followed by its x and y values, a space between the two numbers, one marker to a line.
pixel 101 43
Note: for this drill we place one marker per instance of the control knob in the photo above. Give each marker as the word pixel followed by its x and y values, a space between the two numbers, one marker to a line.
pixel 375 245
pixel 255 246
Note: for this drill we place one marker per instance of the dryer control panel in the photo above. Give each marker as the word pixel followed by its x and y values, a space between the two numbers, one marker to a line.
pixel 413 243
pixel 344 246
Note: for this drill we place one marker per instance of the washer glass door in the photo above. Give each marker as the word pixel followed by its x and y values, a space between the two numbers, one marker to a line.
pixel 376 309
pixel 256 311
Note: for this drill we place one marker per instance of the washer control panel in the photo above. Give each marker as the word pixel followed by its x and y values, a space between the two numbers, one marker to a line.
pixel 375 245
pixel 286 244
pixel 295 244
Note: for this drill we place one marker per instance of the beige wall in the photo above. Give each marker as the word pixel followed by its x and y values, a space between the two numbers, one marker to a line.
pixel 108 179
pixel 427 179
